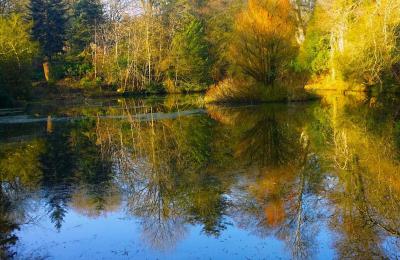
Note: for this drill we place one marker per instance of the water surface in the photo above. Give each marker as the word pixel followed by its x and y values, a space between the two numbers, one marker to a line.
pixel 171 178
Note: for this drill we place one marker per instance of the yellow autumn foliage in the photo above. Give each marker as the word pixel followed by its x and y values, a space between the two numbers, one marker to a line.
pixel 263 43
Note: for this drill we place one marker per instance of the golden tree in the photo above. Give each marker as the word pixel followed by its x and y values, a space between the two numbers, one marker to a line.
pixel 264 42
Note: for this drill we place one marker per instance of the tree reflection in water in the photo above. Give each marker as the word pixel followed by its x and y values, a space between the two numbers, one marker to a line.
pixel 7 227
pixel 278 196
pixel 368 196
pixel 286 171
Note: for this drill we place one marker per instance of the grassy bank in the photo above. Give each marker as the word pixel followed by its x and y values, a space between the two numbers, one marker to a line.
pixel 240 91
pixel 326 83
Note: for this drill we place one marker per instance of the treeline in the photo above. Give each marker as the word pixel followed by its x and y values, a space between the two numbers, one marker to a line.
pixel 354 41
pixel 266 49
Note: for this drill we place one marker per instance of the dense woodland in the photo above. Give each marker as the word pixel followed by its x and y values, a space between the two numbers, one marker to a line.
pixel 179 171
pixel 234 49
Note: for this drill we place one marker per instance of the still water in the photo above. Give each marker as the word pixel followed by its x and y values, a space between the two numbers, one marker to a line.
pixel 172 178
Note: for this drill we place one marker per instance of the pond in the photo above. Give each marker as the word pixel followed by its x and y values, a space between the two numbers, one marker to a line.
pixel 172 178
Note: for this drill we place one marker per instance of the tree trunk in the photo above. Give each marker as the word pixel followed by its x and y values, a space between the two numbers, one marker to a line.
pixel 332 56
pixel 46 70
pixel 49 126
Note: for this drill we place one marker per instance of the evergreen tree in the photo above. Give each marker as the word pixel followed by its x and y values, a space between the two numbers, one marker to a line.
pixel 49 25
pixel 87 15
pixel 189 62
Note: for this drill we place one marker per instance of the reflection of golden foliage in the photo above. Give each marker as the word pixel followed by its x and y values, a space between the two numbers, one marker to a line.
pixel 339 99
pixel 343 155
pixel 273 182
pixel 182 102
pixel 21 162
pixel 386 172
pixel 272 190
pixel 93 205
pixel 364 154
pixel 235 90
pixel 236 116
pixel 275 213
pixel 375 155
pixel 221 114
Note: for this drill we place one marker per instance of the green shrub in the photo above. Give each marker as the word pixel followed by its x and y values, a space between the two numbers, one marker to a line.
pixel 77 66
pixel 188 67
pixel 314 54
pixel 16 54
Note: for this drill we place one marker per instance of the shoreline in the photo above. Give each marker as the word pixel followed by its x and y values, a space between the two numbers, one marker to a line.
pixel 60 91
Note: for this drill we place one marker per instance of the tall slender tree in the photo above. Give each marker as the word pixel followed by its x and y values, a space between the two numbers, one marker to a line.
pixel 49 27
pixel 87 16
